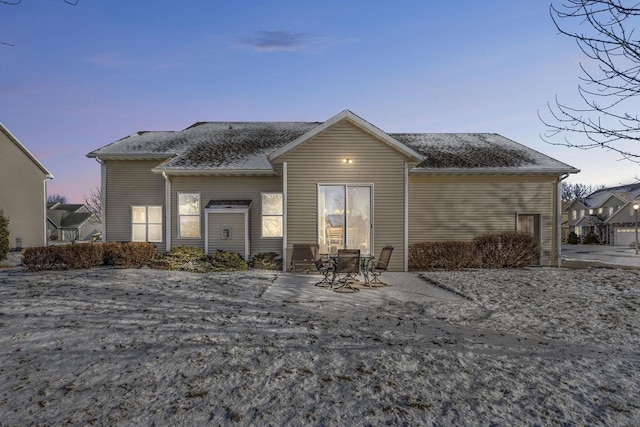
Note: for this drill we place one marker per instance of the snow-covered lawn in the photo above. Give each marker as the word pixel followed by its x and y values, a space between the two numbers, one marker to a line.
pixel 147 347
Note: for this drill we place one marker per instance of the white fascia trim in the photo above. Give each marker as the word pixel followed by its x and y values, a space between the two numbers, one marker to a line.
pixel 490 171
pixel 221 172
pixel 358 121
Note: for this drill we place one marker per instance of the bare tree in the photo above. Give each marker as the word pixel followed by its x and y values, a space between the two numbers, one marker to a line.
pixel 94 202
pixel 605 32
pixel 56 198
pixel 17 2
pixel 578 190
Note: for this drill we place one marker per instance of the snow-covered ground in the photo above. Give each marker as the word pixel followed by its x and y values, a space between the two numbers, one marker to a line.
pixel 147 347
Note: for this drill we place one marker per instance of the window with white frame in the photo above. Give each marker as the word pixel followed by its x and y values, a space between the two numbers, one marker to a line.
pixel 189 215
pixel 610 210
pixel 600 211
pixel 581 213
pixel 574 214
pixel 272 215
pixel 146 223
pixel 590 211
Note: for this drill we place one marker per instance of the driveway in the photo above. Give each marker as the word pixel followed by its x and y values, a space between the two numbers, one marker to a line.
pixel 599 254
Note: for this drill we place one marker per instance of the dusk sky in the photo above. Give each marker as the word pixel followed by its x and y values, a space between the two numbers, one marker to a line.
pixel 74 78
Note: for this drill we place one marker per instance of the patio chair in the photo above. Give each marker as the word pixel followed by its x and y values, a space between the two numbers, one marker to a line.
pixel 348 265
pixel 378 266
pixel 303 255
pixel 325 267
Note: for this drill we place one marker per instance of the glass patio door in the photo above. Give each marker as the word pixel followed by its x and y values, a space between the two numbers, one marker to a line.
pixel 344 218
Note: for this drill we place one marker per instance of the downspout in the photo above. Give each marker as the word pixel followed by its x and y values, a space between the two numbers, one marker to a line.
pixel 103 198
pixel 167 207
pixel 406 217
pixel 559 219
pixel 44 186
pixel 284 216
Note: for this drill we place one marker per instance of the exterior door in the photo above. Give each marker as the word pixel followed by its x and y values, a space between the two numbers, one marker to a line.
pixel 344 217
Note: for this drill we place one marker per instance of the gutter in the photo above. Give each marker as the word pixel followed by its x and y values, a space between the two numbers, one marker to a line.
pixel 559 218
pixel 167 207
pixel 103 200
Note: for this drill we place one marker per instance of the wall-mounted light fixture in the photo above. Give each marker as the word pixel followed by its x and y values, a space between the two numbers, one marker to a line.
pixel 347 161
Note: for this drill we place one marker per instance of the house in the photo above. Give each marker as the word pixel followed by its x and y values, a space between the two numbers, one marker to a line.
pixel 255 187
pixel 68 223
pixel 607 213
pixel 23 192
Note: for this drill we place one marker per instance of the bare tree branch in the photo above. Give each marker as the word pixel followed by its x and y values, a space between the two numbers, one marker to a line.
pixel 605 33
pixel 94 202
pixel 16 2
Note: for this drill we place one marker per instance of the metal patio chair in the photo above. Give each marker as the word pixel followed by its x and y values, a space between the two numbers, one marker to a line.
pixel 347 267
pixel 378 266
pixel 303 257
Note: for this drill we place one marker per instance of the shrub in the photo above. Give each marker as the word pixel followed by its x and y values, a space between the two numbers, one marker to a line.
pixel 131 254
pixel 449 255
pixel 573 238
pixel 266 261
pixel 510 249
pixel 4 236
pixel 38 258
pixel 78 256
pixel 191 259
pixel 591 238
pixel 227 261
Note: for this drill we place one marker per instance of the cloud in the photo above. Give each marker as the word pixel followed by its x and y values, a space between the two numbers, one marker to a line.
pixel 271 41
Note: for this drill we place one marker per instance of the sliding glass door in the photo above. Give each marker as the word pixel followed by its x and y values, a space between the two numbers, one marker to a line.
pixel 344 218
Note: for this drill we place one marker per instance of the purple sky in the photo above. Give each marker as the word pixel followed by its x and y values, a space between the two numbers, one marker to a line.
pixel 75 78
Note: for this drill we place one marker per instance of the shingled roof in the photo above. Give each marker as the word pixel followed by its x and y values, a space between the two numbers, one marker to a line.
pixel 238 146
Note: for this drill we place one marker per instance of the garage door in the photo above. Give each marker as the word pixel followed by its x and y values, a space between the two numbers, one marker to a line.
pixel 625 236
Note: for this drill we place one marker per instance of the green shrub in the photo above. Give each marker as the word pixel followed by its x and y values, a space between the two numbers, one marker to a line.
pixel 227 261
pixel 448 255
pixel 191 259
pixel 509 249
pixel 38 258
pixel 266 261
pixel 573 238
pixel 4 236
pixel 131 254
pixel 78 256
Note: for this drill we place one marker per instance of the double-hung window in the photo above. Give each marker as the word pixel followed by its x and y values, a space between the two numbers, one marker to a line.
pixel 189 215
pixel 146 223
pixel 272 215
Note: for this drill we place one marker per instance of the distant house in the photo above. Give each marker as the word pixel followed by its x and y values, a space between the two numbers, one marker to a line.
pixel 68 223
pixel 256 187
pixel 608 213
pixel 23 192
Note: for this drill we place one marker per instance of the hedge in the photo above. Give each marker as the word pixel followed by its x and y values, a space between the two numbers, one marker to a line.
pixel 4 236
pixel 89 255
pixel 493 250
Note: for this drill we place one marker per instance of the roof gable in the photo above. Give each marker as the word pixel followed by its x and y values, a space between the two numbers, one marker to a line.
pixel 357 121
pixel 24 149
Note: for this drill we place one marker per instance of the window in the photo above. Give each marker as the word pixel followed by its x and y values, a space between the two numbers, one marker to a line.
pixel 590 211
pixel 272 215
pixel 581 213
pixel 600 211
pixel 189 215
pixel 610 210
pixel 574 214
pixel 146 223
pixel 345 217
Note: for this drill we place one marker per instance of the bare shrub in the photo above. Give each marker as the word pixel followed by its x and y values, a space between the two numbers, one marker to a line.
pixel 78 256
pixel 448 255
pixel 509 249
pixel 131 254
pixel 38 258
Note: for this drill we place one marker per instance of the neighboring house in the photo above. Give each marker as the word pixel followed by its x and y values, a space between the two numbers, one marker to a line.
pixel 68 223
pixel 23 192
pixel 608 213
pixel 255 187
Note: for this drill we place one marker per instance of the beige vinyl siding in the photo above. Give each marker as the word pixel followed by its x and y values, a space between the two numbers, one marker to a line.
pixel 234 221
pixel 319 160
pixel 462 207
pixel 22 195
pixel 227 188
pixel 131 182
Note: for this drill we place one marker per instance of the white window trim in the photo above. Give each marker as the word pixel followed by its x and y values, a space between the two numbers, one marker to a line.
pixel 262 215
pixel 146 223
pixel 199 214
